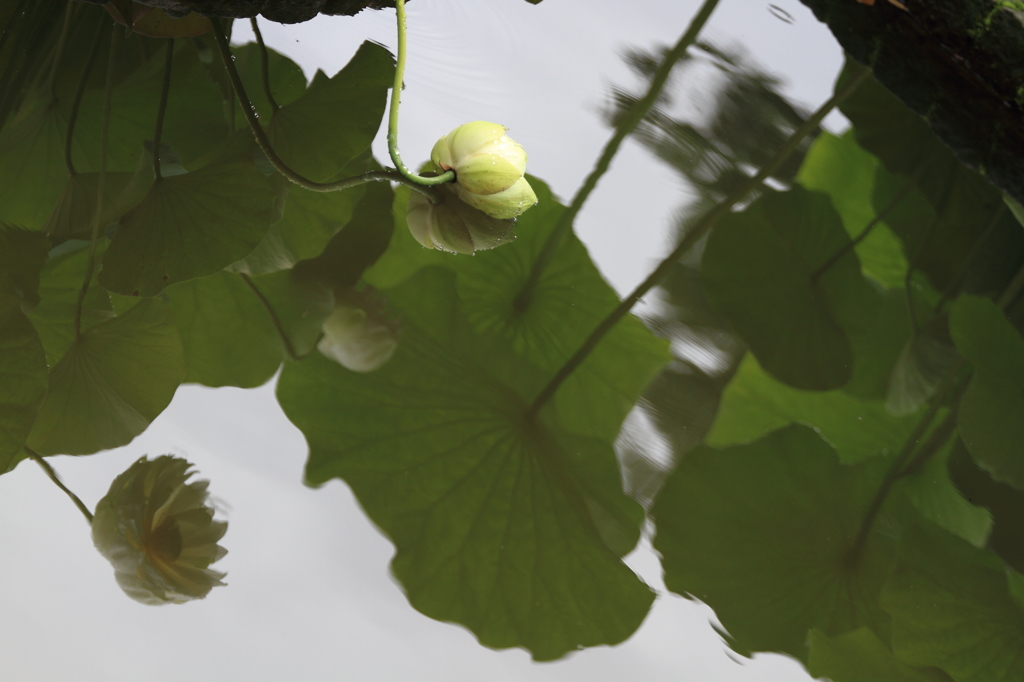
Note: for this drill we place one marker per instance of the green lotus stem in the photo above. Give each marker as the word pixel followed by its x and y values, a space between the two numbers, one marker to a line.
pixel 76 102
pixel 108 93
pixel 264 63
pixel 60 484
pixel 626 126
pixel 396 97
pixel 693 235
pixel 264 142
pixel 162 108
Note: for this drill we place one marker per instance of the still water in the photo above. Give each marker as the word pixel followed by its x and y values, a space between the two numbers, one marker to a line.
pixel 309 596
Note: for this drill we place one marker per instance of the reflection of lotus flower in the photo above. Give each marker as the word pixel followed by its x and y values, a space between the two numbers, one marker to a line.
pixel 359 335
pixel 488 167
pixel 158 532
pixel 452 225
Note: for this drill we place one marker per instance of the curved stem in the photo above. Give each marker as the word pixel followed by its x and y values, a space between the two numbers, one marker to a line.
pixel 58 50
pixel 285 341
pixel 163 107
pixel 77 101
pixel 56 479
pixel 954 285
pixel 396 97
pixel 626 126
pixel 264 142
pixel 852 244
pixel 108 93
pixel 264 64
pixel 695 234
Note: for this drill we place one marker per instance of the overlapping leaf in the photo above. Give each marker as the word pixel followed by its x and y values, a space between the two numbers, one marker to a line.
pixel 335 121
pixel 952 608
pixel 110 383
pixel 510 528
pixel 759 270
pixel 188 226
pixel 763 533
pixel 859 656
pixel 991 416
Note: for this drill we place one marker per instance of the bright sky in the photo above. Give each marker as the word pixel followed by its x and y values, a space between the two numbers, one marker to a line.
pixel 310 597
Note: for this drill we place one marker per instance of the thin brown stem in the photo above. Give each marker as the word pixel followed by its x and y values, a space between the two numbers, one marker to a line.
pixel 626 126
pixel 77 101
pixel 164 90
pixel 264 64
pixel 264 142
pixel 695 234
pixel 60 484
pixel 108 94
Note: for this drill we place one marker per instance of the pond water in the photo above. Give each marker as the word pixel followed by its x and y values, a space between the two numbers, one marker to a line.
pixel 310 598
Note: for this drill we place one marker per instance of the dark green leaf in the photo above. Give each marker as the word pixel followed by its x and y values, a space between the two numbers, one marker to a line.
pixel 111 383
pixel 507 527
pixel 75 211
pixel 925 360
pixel 189 226
pixel 300 306
pixel 877 349
pixel 763 533
pixel 754 404
pixel 951 608
pixel 331 124
pixel 22 255
pixel 991 416
pixel 228 337
pixel 859 656
pixel 757 271
pixel 32 167
pixel 286 80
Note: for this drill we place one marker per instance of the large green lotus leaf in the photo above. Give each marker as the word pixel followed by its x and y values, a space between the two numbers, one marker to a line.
pixel 188 226
pixel 951 608
pixel 22 378
pixel 22 256
pixel 859 656
pixel 229 339
pixel 842 169
pixel 32 169
pixel 991 416
pixel 763 534
pixel 193 121
pixel 286 80
pixel 757 271
pixel 112 382
pixel 331 124
pixel 755 404
pixel 569 301
pixel 502 525
pixel 59 286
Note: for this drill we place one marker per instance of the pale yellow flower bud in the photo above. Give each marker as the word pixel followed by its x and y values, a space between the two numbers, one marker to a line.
pixel 453 225
pixel 158 531
pixel 489 168
pixel 359 335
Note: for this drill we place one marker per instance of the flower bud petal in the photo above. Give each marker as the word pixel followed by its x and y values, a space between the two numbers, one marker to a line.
pixel 510 203
pixel 487 173
pixel 452 225
pixel 158 532
pixel 468 138
pixel 359 335
pixel 440 155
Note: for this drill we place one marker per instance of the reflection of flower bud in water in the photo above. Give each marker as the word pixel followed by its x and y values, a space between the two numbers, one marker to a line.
pixel 359 335
pixel 488 167
pixel 158 531
pixel 452 225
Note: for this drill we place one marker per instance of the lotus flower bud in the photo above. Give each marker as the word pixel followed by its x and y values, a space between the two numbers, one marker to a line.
pixel 488 167
pixel 158 531
pixel 359 335
pixel 452 225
